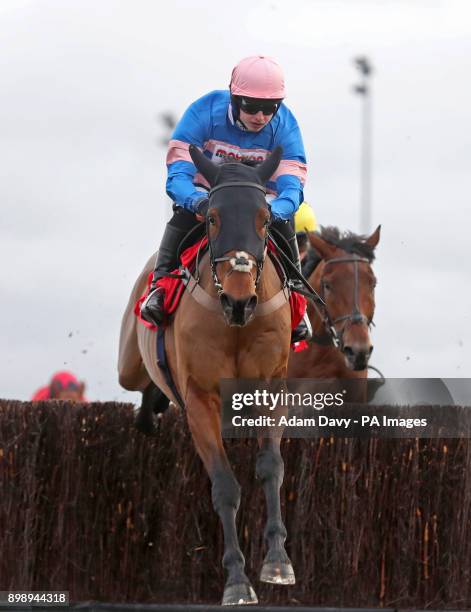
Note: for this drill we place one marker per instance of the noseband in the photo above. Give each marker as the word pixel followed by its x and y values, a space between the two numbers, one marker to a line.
pixel 241 261
pixel 355 317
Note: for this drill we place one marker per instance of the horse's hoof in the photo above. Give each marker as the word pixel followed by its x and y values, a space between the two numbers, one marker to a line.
pixel 239 594
pixel 278 573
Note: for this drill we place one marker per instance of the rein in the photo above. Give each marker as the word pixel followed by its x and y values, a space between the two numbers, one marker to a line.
pixel 311 294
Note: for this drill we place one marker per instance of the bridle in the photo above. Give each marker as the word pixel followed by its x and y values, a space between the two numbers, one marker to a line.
pixel 241 262
pixel 355 317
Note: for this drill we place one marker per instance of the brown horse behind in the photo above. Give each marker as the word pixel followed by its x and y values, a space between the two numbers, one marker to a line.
pixel 239 327
pixel 346 282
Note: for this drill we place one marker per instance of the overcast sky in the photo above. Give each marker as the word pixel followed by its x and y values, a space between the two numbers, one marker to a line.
pixel 82 171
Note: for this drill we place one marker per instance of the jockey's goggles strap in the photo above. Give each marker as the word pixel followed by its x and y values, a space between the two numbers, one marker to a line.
pixel 237 184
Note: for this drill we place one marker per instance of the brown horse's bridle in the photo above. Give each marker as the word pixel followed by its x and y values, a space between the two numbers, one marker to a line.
pixel 332 336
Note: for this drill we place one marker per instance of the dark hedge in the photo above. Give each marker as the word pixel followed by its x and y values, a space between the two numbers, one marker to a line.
pixel 91 506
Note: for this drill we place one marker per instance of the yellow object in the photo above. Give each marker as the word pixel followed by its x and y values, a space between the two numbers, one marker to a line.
pixel 305 219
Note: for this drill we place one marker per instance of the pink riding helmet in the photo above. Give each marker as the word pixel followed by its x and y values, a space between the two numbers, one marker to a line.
pixel 258 76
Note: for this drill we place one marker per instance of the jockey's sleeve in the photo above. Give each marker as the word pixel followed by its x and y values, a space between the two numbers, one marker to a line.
pixel 290 197
pixel 290 176
pixel 193 128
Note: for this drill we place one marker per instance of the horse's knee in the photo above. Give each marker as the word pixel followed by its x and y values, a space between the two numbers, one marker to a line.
pixel 225 492
pixel 269 465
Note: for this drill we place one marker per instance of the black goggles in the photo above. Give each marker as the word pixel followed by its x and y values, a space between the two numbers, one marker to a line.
pixel 252 106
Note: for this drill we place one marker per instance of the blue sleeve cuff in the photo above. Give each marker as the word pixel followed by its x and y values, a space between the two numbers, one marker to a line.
pixel 290 196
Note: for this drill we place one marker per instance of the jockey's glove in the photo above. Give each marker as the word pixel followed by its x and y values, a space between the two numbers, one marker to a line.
pixel 201 206
pixel 282 208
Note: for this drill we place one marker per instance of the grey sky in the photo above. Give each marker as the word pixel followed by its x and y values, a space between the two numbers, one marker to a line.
pixel 82 175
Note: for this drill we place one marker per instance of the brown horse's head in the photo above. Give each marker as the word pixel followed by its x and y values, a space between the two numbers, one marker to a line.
pixel 237 226
pixel 346 282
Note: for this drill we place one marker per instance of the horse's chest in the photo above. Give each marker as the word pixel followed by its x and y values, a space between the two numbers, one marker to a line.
pixel 261 359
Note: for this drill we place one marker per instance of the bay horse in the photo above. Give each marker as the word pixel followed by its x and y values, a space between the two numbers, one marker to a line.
pixel 345 280
pixel 235 324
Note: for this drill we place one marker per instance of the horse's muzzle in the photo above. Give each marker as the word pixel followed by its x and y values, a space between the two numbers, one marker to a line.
pixel 357 357
pixel 238 312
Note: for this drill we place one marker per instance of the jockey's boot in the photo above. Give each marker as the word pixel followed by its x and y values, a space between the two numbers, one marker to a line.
pixel 152 309
pixel 304 329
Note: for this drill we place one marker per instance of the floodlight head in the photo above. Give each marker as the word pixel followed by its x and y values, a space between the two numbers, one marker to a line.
pixel 362 90
pixel 363 65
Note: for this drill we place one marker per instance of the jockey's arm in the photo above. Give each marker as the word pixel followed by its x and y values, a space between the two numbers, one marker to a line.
pixel 290 195
pixel 180 185
pixel 193 128
pixel 291 173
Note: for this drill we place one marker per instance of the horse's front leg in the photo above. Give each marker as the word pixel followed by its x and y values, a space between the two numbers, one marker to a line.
pixel 277 568
pixel 203 414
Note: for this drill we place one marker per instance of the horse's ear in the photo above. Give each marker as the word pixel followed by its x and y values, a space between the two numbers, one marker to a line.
pixel 204 165
pixel 373 240
pixel 268 167
pixel 324 248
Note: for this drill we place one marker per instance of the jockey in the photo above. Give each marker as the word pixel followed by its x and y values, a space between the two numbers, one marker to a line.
pixel 63 386
pixel 245 123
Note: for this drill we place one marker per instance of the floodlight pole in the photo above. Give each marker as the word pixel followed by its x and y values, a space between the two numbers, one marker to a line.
pixel 364 89
pixel 168 121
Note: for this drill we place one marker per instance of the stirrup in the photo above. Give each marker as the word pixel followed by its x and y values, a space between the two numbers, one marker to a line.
pixel 303 331
pixel 152 308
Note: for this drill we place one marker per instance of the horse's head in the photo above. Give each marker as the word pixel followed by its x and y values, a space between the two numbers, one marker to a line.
pixel 345 280
pixel 237 227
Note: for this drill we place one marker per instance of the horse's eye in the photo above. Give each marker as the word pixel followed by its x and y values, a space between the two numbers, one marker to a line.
pixel 327 286
pixel 211 220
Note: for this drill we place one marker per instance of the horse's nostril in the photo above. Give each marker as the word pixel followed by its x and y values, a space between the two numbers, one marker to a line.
pixel 225 301
pixel 251 304
pixel 370 351
pixel 348 351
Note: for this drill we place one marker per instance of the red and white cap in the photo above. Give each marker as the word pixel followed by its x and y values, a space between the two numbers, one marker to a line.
pixel 258 76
